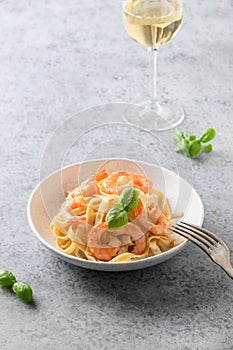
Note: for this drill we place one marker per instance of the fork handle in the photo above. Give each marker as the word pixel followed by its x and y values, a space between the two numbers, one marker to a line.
pixel 225 265
pixel 228 270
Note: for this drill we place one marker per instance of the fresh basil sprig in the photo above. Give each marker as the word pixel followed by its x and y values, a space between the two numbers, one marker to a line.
pixel 118 216
pixel 190 146
pixel 22 289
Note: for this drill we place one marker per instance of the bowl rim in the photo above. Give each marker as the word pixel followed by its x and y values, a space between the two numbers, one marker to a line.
pixel 107 263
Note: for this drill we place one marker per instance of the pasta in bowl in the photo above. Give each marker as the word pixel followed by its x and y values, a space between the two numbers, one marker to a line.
pixel 82 230
pixel 68 214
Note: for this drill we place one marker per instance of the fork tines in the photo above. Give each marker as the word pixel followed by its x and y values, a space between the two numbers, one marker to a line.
pixel 198 235
pixel 216 249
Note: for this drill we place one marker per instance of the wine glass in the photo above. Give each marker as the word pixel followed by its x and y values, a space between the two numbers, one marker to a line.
pixel 153 23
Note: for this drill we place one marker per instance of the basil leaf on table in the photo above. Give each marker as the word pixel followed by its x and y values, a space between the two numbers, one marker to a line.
pixel 194 148
pixel 208 135
pixel 23 290
pixel 190 146
pixel 207 148
pixel 7 279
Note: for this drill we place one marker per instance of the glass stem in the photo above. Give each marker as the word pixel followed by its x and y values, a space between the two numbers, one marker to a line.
pixel 153 75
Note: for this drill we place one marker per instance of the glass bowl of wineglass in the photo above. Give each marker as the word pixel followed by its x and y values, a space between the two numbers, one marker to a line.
pixel 153 23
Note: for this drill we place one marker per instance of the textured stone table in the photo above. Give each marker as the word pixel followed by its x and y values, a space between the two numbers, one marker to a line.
pixel 56 58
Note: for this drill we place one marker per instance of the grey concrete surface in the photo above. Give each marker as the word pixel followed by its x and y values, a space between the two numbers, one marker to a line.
pixel 56 58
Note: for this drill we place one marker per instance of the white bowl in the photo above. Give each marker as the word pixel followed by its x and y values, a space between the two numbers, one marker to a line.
pixel 48 196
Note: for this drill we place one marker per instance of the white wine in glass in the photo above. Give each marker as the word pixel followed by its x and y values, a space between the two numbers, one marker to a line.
pixel 153 23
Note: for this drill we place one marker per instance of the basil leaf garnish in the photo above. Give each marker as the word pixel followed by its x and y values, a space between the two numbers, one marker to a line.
pixel 128 199
pixel 116 218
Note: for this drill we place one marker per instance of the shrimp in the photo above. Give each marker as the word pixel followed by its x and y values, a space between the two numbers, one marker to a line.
pixel 157 223
pixel 102 174
pixel 161 226
pixel 89 187
pixel 108 248
pixel 105 244
pixel 137 237
pixel 118 181
pixel 134 213
pixel 142 183
pixel 154 213
pixel 65 215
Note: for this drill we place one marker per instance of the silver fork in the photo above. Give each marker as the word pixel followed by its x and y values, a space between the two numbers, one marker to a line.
pixel 212 245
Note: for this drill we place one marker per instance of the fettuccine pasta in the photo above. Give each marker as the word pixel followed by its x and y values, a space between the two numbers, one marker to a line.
pixel 81 229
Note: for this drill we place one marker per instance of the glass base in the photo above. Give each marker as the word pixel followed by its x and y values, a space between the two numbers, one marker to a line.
pixel 154 116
